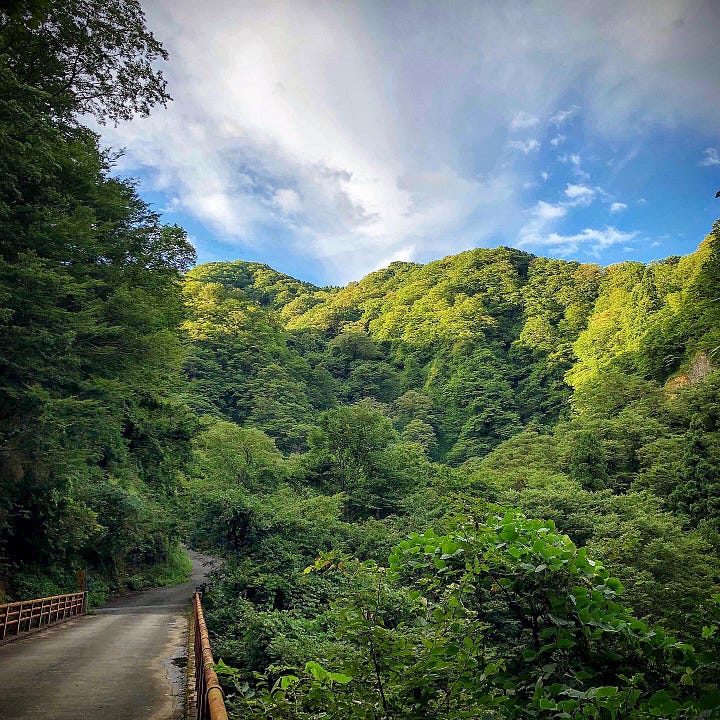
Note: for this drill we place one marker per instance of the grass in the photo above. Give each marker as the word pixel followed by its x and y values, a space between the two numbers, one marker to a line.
pixel 175 570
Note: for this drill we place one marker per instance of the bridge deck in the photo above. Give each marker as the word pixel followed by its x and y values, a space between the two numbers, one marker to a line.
pixel 115 665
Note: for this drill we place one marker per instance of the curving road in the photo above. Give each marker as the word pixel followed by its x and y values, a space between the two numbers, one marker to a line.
pixel 114 665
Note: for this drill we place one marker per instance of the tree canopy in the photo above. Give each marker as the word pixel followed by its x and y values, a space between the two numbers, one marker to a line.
pixel 92 57
pixel 93 428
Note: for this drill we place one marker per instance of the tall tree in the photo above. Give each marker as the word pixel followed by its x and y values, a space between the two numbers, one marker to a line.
pixel 90 298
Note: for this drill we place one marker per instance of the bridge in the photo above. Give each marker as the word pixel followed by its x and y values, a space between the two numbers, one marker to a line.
pixel 125 661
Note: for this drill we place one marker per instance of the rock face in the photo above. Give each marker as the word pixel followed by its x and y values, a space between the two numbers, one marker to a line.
pixel 700 368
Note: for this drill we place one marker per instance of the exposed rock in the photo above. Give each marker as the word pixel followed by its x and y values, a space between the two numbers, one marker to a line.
pixel 700 367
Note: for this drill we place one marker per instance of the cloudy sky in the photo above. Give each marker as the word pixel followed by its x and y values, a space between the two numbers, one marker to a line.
pixel 329 138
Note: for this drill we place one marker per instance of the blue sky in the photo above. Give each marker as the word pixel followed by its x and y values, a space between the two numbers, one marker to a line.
pixel 328 139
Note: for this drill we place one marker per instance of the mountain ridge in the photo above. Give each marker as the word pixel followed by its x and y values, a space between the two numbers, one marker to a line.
pixel 493 327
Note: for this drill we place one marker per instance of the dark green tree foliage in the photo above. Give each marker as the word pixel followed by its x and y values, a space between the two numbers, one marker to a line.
pixel 693 467
pixel 241 367
pixel 91 432
pixel 355 450
pixel 359 364
pixel 480 405
pixel 84 56
pixel 499 619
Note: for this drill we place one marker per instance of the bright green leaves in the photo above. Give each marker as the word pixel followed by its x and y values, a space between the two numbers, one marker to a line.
pixel 321 675
pixel 289 681
pixel 502 618
pixel 554 612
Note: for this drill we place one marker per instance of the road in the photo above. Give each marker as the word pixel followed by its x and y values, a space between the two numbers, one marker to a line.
pixel 116 664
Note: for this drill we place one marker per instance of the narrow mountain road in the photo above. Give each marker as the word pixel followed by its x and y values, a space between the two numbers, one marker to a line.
pixel 114 665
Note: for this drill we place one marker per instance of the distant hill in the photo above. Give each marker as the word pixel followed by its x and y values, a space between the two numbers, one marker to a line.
pixel 495 338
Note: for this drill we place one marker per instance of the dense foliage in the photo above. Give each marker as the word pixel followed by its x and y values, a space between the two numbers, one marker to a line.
pixel 92 429
pixel 429 399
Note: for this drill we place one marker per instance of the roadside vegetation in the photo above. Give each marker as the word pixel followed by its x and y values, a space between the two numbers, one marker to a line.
pixel 93 425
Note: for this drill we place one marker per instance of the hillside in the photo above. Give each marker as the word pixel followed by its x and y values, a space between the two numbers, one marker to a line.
pixel 448 398
pixel 492 339
pixel 483 487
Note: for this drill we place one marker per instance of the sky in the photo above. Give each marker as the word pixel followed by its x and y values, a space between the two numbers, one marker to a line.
pixel 330 138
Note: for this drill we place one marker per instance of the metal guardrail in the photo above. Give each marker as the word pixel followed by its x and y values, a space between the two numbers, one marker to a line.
pixel 18 618
pixel 209 699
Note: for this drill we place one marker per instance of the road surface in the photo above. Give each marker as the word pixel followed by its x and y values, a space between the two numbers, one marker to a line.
pixel 114 665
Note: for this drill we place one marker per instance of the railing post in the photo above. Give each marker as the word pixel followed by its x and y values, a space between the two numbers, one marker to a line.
pixel 7 615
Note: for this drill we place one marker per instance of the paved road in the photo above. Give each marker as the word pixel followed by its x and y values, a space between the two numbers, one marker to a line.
pixel 114 665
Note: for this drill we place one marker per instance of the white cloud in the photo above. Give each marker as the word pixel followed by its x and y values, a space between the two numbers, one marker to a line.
pixel 589 240
pixel 561 117
pixel 710 157
pixel 541 216
pixel 524 146
pixel 617 207
pixel 287 200
pixel 618 164
pixel 557 140
pixel 573 159
pixel 545 175
pixel 580 194
pixel 548 211
pixel 397 143
pixel 538 233
pixel 524 120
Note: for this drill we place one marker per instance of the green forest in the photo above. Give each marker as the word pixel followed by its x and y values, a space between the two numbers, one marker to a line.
pixel 487 486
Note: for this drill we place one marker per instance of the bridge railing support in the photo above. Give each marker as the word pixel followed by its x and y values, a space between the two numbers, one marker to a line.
pixel 17 619
pixel 209 698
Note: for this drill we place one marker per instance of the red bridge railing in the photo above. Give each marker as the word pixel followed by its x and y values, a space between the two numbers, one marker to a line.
pixel 18 618
pixel 209 699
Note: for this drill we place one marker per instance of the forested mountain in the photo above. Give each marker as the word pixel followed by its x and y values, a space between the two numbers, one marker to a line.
pixel 483 487
pixel 493 339
pixel 338 420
